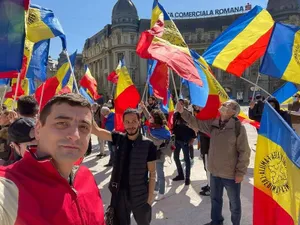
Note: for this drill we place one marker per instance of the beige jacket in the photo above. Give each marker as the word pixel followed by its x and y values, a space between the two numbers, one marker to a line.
pixel 229 155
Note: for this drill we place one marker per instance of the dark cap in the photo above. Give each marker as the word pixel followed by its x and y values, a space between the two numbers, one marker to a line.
pixel 19 131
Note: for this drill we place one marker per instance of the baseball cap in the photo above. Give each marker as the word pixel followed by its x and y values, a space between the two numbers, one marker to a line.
pixel 19 130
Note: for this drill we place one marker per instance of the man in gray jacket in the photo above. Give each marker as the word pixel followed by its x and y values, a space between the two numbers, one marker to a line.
pixel 228 157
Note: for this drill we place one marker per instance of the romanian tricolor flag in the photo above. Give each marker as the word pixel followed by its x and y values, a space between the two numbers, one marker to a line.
pixel 113 76
pixel 242 43
pixel 282 59
pixel 84 93
pixel 90 83
pixel 38 61
pixel 126 96
pixel 43 25
pixel 54 85
pixel 164 43
pixel 217 95
pixel 15 89
pixel 285 93
pixel 169 109
pixel 12 36
pixel 276 172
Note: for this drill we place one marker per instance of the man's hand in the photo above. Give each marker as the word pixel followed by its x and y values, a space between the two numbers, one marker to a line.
pixel 252 104
pixel 179 107
pixel 142 105
pixel 239 179
pixel 150 199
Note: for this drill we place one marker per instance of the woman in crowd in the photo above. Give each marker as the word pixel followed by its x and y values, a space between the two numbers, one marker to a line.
pixel 160 135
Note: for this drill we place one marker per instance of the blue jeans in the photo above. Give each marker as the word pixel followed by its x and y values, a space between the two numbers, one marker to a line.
pixel 111 149
pixel 217 185
pixel 186 153
pixel 160 185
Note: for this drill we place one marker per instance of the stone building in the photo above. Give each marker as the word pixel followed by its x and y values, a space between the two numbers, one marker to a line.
pixel 103 50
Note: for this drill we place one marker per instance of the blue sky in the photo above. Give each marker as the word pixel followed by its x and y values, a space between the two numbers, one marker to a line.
pixel 82 19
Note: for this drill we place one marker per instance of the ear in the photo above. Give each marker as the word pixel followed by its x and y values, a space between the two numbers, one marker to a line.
pixel 16 148
pixel 37 130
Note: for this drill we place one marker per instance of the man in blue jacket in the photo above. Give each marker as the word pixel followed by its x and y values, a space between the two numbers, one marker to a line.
pixel 109 125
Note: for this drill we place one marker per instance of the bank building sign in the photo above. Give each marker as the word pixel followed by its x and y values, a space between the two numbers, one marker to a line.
pixel 210 13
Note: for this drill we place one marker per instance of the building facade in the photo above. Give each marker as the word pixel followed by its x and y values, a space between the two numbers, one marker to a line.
pixel 103 51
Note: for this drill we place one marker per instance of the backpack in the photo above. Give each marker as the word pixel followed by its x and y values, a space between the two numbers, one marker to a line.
pixel 166 148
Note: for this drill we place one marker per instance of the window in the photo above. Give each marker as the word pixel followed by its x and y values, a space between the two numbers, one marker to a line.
pixel 133 75
pixel 105 63
pixel 212 36
pixel 187 38
pixel 131 38
pixel 120 56
pixel 119 39
pixel 132 57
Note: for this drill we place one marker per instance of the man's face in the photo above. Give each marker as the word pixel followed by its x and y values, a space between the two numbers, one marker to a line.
pixel 150 101
pixel 66 133
pixel 131 123
pixel 3 119
pixel 226 110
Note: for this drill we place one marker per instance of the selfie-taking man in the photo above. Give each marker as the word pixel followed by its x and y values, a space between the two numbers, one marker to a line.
pixel 45 187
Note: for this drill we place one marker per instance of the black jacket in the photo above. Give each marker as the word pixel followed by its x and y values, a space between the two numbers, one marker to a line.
pixel 257 111
pixel 180 129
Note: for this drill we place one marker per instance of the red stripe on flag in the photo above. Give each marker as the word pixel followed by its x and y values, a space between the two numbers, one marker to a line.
pixel 266 211
pixel 49 91
pixel 90 84
pixel 10 74
pixel 249 55
pixel 160 81
pixel 26 4
pixel 211 110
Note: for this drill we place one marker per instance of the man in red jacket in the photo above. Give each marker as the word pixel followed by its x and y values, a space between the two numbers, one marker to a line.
pixel 45 187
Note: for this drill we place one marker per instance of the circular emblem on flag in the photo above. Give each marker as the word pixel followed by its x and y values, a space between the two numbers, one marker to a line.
pixel 33 16
pixel 297 54
pixel 273 173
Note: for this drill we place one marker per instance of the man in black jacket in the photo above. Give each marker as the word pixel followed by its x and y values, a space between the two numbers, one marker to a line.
pixel 183 136
pixel 256 108
pixel 133 177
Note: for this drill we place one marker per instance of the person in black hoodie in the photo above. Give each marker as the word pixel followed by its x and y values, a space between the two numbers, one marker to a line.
pixel 256 108
pixel 183 135
pixel 284 114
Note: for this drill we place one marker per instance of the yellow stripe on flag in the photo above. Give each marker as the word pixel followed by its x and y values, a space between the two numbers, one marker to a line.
pixel 124 80
pixel 277 176
pixel 255 30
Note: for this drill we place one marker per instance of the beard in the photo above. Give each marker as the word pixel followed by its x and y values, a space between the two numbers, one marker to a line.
pixel 132 132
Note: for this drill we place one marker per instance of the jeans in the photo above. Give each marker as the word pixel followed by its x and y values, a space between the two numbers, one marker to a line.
pixel 217 185
pixel 101 145
pixel 186 153
pixel 111 149
pixel 142 215
pixel 160 185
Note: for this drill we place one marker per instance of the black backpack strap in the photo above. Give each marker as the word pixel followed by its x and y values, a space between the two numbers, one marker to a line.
pixel 238 125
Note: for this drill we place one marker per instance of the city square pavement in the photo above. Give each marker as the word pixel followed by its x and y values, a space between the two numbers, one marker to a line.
pixel 183 205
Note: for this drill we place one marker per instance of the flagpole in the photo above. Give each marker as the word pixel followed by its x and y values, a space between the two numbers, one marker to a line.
pixel 146 97
pixel 180 89
pixel 72 71
pixel 42 95
pixel 256 85
pixel 16 92
pixel 253 95
pixel 173 80
pixel 5 90
pixel 113 90
pixel 145 89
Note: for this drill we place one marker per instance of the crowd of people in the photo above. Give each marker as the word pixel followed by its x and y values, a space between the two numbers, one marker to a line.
pixel 42 151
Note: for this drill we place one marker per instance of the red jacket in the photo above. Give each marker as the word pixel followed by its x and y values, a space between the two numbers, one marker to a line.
pixel 32 192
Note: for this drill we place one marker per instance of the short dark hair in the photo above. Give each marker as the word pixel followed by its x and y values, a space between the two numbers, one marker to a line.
pixel 153 98
pixel 27 106
pixel 131 111
pixel 71 99
pixel 3 107
pixel 158 117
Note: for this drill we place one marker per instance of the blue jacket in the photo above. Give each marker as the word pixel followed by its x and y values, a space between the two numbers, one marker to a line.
pixel 110 122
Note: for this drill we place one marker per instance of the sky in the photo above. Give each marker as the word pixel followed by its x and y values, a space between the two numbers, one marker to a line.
pixel 82 19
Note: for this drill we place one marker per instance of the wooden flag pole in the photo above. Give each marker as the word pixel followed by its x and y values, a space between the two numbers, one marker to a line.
pixel 42 95
pixel 16 92
pixel 250 82
pixel 253 95
pixel 72 71
pixel 145 89
pixel 5 90
pixel 173 80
